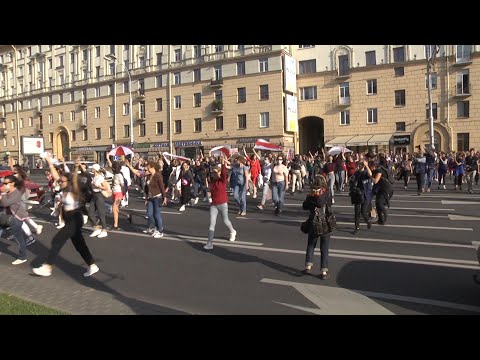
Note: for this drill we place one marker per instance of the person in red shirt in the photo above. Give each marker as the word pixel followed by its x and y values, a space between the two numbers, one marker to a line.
pixel 255 170
pixel 351 166
pixel 218 189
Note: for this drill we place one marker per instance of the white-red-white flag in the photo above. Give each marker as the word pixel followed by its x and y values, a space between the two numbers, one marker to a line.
pixel 225 149
pixel 261 144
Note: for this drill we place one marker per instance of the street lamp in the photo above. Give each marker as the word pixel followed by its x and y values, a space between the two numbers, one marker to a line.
pixel 16 102
pixel 113 58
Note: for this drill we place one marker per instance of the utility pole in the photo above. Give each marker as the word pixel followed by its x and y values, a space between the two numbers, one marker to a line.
pixel 19 145
pixel 431 52
pixel 169 108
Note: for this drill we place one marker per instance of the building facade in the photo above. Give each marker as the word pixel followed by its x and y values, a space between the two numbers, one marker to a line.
pixel 191 98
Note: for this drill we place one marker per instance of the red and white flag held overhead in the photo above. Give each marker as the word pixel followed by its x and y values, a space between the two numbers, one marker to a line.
pixel 225 149
pixel 261 144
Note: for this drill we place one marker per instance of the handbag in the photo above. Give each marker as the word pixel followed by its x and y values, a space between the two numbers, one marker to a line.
pixel 107 193
pixel 306 226
pixel 5 220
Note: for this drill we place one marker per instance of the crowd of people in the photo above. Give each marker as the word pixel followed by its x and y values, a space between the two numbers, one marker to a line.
pixel 84 194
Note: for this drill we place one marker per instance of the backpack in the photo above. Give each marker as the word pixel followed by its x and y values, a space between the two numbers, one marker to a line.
pixel 324 221
pixel 389 176
pixel 356 193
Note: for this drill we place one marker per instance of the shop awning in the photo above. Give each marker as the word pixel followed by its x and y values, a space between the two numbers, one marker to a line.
pixel 380 139
pixel 338 141
pixel 359 140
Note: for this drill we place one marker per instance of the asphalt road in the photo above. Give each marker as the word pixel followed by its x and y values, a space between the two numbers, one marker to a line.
pixel 422 262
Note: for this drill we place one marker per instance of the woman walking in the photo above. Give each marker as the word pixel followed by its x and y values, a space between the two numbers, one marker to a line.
pixel 98 203
pixel 279 184
pixel 73 223
pixel 218 188
pixel 320 199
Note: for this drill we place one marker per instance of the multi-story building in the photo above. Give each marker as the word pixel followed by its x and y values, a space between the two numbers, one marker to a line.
pixel 191 98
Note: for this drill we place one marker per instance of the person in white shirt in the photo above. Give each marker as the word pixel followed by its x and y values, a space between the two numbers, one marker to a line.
pixel 98 203
pixel 126 175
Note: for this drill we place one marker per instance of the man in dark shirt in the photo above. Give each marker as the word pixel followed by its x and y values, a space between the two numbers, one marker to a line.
pixel 361 193
pixel 200 180
pixel 382 188
pixel 471 168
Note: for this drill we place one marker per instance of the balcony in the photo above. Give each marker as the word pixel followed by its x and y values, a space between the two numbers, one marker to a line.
pixel 2 117
pixel 462 61
pixel 262 49
pixel 39 129
pixel 38 111
pixel 216 83
pixel 3 133
pixel 141 94
pixel 217 107
pixel 83 123
pixel 140 117
pixel 343 74
pixel 462 91
pixel 344 101
pixel 83 103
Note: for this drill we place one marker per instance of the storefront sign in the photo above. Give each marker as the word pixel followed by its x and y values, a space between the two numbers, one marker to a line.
pixel 162 144
pixel 187 143
pixel 142 146
pixel 401 140
pixel 250 140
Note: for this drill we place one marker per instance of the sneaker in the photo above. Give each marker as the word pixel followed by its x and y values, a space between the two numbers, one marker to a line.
pixel 243 213
pixel 233 236
pixel 30 240
pixel 333 201
pixel 39 229
pixel 18 262
pixel 324 275
pixel 96 233
pixel 157 234
pixel 208 246
pixel 248 193
pixel 405 187
pixel 255 196
pixel 196 201
pixel 43 270
pixel 85 219
pixel 205 199
pixel 260 207
pixel 444 187
pixel 60 225
pixel 148 231
pixel 91 270
pixel 102 234
pixel 182 208
pixel 210 200
pixel 356 230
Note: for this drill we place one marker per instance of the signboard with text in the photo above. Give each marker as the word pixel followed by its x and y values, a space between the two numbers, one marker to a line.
pixel 32 145
pixel 289 74
pixel 291 113
pixel 401 140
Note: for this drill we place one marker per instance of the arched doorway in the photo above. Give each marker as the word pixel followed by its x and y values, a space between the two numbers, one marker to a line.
pixel 441 137
pixel 311 131
pixel 437 139
pixel 61 144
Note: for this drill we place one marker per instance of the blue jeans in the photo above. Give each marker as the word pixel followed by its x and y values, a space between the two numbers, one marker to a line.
pixel 429 178
pixel 17 232
pixel 278 194
pixel 196 186
pixel 214 209
pixel 240 196
pixel 154 213
pixel 324 244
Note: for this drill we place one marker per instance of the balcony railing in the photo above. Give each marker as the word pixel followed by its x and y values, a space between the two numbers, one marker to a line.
pixel 141 94
pixel 84 123
pixel 462 90
pixel 216 83
pixel 344 101
pixel 343 74
pixel 140 116
pixel 217 106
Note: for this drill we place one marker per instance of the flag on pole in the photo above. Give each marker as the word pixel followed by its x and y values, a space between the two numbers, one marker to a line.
pixel 168 157
pixel 261 144
pixel 225 149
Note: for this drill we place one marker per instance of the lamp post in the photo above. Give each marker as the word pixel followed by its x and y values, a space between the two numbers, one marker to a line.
pixel 19 145
pixel 431 52
pixel 113 58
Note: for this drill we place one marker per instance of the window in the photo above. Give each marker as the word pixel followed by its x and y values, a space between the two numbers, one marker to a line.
pixel 97 112
pixel 399 54
pixel 176 78
pixel 308 93
pixel 241 95
pixel 399 97
pixel 196 51
pixel 345 90
pixel 345 117
pixel 84 115
pixel 126 64
pixel 126 108
pixel 97 72
pixel 126 47
pixel 198 125
pixel 177 102
pixel 50 82
pixel 50 63
pixel 85 74
pixel 197 99
pixel 50 137
pixel 372 87
pixel 178 126
pixel 111 132
pixel 400 126
pixel 30 121
pixel 112 49
pixel 13 140
pixel 111 110
pixel 97 91
pixel 141 84
pixel 72 58
pixel 264 120
pixel 263 65
pixel 218 95
pixel 21 123
pixel 125 87
pixel 50 119
pixel 141 61
pixel 159 58
pixel 219 123
pixel 29 69
pixel 307 66
pixel 72 115
pixel 372 116
pixel 343 65
pixel 242 121
pixel 434 111
pixel 241 68
pixel 305 46
pixel 197 75
pixel 463 82
pixel 97 51
pixel 370 58
pixel 112 69
pixel 218 72
pixel 158 81
pixel 463 109
pixel 85 55
pixel 433 81
pixel 142 110
pixel 85 134
pixel 141 130
pixel 72 96
pixel 74 135
pixel 110 89
pixel 60 117
pixel 218 48
pixel 178 55
pixel 399 71
pixel 263 92
pixel 463 141
pixel 126 131
pixel 98 133
pixel 159 104
pixel 160 128
pixel 463 53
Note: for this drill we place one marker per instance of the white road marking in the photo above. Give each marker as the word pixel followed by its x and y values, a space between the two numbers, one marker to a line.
pixel 455 202
pixel 403 215
pixel 462 218
pixel 402 241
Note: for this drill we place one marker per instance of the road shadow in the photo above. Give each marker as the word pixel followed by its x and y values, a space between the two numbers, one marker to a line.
pixel 427 282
